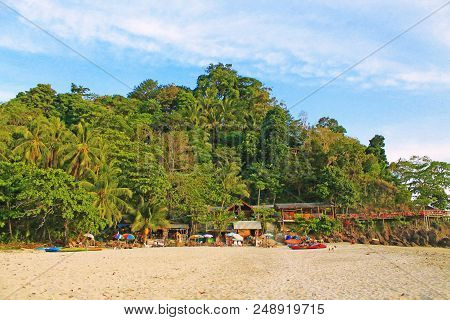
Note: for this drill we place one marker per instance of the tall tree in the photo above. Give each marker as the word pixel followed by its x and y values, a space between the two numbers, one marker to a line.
pixel 376 147
pixel 426 179
pixel 111 200
pixel 332 124
pixel 149 215
pixel 145 90
pixel 32 145
pixel 83 154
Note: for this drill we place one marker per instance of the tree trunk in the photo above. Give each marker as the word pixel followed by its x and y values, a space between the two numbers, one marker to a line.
pixel 10 228
pixel 259 195
pixel 218 237
pixel 66 232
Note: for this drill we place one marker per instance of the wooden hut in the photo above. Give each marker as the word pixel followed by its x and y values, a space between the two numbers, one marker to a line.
pixel 243 210
pixel 247 228
pixel 307 210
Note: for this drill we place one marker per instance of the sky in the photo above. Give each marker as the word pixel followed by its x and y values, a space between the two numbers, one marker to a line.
pixel 293 47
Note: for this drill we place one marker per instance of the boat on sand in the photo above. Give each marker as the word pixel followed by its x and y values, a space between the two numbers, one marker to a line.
pixel 304 246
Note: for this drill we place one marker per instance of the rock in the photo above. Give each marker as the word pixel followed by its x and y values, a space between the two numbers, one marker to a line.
pixel 444 242
pixel 432 237
pixel 414 238
pixel 362 240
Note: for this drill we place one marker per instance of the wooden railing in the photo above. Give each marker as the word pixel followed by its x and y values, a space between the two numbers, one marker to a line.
pixel 393 215
pixel 291 216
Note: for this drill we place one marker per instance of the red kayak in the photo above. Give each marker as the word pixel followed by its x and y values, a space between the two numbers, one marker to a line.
pixel 308 246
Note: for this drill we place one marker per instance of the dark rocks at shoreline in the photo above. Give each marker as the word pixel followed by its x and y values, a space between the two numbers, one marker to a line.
pixel 406 236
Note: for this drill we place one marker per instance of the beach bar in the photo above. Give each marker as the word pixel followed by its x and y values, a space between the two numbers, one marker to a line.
pixel 306 210
pixel 247 228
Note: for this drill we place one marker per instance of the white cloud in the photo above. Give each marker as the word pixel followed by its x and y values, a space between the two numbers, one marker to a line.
pixel 306 43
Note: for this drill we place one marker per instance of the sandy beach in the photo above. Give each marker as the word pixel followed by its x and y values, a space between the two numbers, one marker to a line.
pixel 348 272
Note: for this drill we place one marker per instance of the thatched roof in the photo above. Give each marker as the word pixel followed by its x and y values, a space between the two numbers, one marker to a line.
pixel 250 225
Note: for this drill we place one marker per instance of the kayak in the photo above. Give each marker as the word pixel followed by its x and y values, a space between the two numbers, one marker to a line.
pixel 79 249
pixel 308 246
pixel 53 249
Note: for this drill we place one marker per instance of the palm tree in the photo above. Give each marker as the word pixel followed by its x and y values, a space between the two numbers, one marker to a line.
pixel 109 197
pixel 32 146
pixel 84 153
pixel 228 110
pixel 194 114
pixel 213 110
pixel 232 183
pixel 58 137
pixel 149 215
pixel 5 138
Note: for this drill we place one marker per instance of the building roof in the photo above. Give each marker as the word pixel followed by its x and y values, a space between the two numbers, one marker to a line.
pixel 178 226
pixel 301 205
pixel 251 225
pixel 244 206
pixel 263 206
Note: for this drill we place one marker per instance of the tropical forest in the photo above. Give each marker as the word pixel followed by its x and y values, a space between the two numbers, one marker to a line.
pixel 76 162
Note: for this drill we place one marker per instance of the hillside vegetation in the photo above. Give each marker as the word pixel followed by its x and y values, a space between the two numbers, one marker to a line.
pixel 78 162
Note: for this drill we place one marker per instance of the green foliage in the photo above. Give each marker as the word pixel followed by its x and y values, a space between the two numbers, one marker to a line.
pixel 265 216
pixel 145 90
pixel 376 147
pixel 216 219
pixel 427 180
pixel 110 199
pixel 74 162
pixel 318 226
pixel 332 124
pixel 151 215
pixel 334 186
pixel 46 199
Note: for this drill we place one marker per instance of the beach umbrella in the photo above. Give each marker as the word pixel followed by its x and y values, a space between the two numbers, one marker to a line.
pixel 208 235
pixel 238 237
pixel 89 235
pixel 117 236
pixel 128 237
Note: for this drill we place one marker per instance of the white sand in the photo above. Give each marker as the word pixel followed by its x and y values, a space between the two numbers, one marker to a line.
pixel 350 272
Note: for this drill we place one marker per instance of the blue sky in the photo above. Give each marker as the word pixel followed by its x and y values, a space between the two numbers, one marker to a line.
pixel 402 92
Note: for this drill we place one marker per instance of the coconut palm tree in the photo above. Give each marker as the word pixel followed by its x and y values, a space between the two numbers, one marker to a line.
pixel 110 199
pixel 232 183
pixel 5 138
pixel 149 215
pixel 84 153
pixel 58 137
pixel 32 145
pixel 194 113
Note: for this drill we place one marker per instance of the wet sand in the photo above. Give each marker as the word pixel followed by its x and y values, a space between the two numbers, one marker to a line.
pixel 348 272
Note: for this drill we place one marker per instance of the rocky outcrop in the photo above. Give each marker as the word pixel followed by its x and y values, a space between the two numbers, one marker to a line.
pixel 404 235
